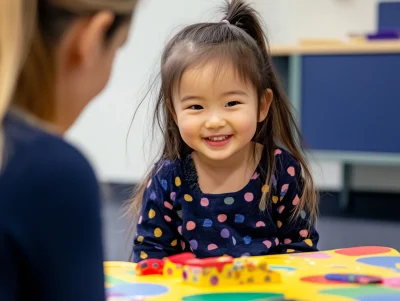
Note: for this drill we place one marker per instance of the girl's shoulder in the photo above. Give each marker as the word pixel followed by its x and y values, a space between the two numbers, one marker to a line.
pixel 285 163
pixel 168 169
pixel 287 171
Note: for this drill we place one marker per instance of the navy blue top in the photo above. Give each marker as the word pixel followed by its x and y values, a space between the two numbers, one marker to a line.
pixel 177 217
pixel 50 226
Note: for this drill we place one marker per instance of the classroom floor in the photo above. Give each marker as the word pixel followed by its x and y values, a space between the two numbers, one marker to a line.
pixel 364 225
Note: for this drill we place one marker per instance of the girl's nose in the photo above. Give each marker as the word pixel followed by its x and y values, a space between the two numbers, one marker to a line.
pixel 215 121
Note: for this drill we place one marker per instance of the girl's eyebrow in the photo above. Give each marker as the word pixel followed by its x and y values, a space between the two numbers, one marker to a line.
pixel 189 97
pixel 235 92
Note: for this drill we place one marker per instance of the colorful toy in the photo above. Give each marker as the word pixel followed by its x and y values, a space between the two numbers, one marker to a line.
pixel 354 278
pixel 318 276
pixel 227 271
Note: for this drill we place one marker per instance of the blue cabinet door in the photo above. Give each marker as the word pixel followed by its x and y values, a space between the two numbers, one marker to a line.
pixel 351 102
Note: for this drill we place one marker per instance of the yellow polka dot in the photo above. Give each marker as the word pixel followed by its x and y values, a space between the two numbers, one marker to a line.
pixel 140 239
pixel 289 251
pixel 157 232
pixel 188 198
pixel 275 199
pixel 308 242
pixel 152 213
pixel 143 255
pixel 279 223
pixel 178 181
pixel 174 242
pixel 265 189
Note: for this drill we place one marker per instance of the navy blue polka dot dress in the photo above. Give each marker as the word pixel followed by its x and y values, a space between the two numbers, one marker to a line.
pixel 177 217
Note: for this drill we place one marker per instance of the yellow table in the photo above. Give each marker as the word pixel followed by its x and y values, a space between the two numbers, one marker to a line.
pixel 302 278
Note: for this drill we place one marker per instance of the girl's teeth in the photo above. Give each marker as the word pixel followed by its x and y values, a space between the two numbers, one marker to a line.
pixel 218 138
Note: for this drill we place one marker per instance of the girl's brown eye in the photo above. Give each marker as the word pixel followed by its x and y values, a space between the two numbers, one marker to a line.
pixel 232 103
pixel 196 107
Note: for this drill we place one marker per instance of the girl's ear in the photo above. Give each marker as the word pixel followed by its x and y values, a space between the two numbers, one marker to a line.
pixel 265 104
pixel 173 114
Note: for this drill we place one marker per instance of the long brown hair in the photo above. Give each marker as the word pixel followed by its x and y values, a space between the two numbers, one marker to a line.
pixel 28 33
pixel 242 42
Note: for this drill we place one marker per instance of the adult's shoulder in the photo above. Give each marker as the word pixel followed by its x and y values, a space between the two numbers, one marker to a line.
pixel 44 162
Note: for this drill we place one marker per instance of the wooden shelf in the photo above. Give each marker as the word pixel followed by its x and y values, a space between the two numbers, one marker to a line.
pixel 355 47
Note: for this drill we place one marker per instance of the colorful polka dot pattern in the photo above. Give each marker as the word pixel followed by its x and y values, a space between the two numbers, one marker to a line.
pixel 175 219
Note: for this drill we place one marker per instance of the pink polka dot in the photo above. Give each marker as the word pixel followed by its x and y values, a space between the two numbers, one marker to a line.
pixel 249 197
pixel 149 183
pixel 204 202
pixel 287 241
pixel 167 218
pixel 212 247
pixel 180 230
pixel 255 176
pixel 190 226
pixel 291 171
pixel 183 245
pixel 304 233
pixel 168 205
pixel 276 241
pixel 140 220
pixel 285 187
pixel 267 243
pixel 260 224
pixel 172 196
pixel 277 152
pixel 222 218
pixel 281 208
pixel 296 200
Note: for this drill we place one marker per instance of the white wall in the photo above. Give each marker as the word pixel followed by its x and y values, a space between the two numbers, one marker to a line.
pixel 290 20
pixel 102 129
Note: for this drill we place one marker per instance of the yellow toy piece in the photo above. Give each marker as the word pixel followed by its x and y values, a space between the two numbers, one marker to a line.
pixel 173 270
pixel 299 277
pixel 173 267
pixel 226 271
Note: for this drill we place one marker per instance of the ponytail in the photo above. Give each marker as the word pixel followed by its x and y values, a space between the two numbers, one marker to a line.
pixel 16 22
pixel 11 38
pixel 11 35
pixel 242 15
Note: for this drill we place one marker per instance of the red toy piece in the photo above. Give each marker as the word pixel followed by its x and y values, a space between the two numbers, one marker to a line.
pixel 150 267
pixel 217 262
pixel 181 258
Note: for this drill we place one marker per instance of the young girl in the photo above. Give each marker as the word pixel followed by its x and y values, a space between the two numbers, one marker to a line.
pixel 231 178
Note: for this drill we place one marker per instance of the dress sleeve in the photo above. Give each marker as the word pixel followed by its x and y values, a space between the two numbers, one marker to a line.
pixel 156 232
pixel 294 234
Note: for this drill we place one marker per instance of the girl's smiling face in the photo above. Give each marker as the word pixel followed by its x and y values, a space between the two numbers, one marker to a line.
pixel 217 113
